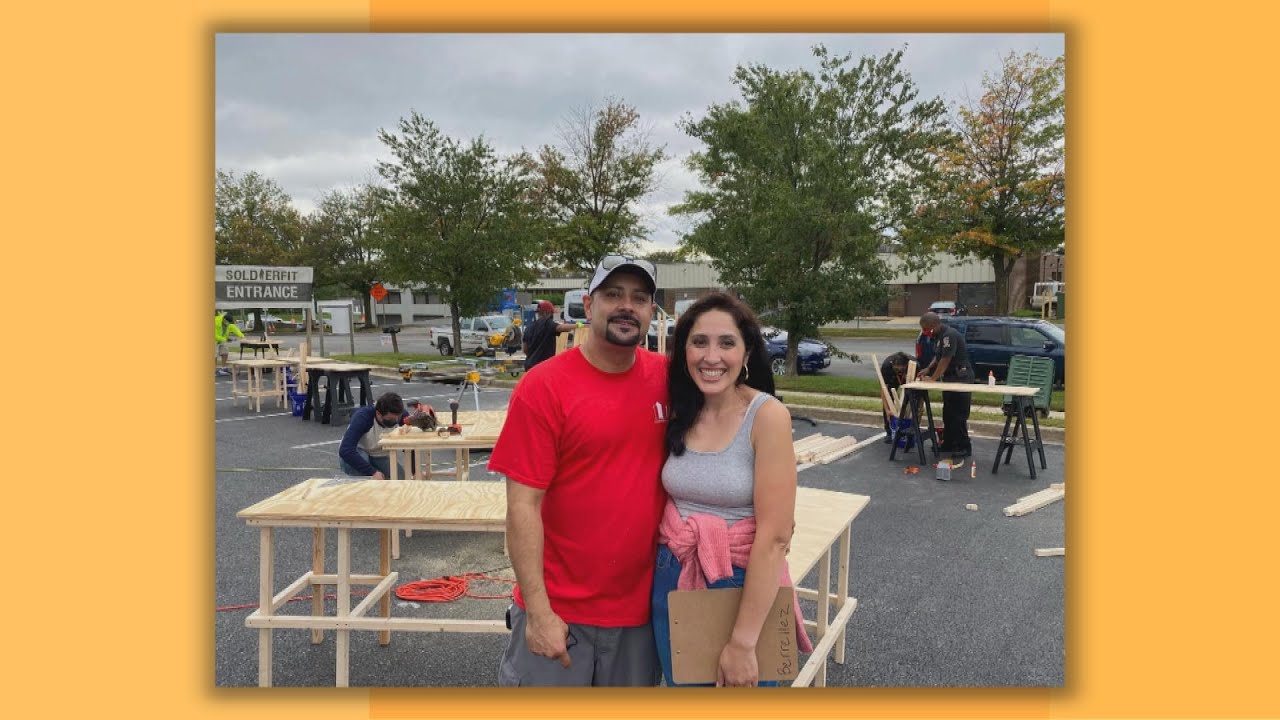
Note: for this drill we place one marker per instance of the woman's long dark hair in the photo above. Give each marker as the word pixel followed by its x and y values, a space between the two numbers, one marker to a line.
pixel 686 399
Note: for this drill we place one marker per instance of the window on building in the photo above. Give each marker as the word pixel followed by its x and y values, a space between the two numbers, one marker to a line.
pixel 984 335
pixel 393 297
pixel 420 297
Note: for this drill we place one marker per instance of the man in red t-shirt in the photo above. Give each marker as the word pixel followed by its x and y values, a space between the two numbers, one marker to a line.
pixel 582 450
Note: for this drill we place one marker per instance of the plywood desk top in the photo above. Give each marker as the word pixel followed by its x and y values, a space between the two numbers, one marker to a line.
pixel 821 515
pixel 975 388
pixel 259 362
pixel 478 428
pixel 374 503
pixel 258 341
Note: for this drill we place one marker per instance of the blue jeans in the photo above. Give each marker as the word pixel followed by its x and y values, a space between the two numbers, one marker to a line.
pixel 666 576
pixel 382 464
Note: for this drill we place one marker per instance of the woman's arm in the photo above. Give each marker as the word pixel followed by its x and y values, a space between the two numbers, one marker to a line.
pixel 775 506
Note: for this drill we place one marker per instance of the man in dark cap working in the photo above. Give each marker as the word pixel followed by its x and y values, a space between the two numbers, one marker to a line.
pixel 950 364
pixel 540 337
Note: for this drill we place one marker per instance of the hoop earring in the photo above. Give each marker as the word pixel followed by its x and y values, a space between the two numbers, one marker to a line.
pixel 746 373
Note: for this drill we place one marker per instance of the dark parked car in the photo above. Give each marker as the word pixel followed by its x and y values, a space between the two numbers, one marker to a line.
pixel 993 340
pixel 811 355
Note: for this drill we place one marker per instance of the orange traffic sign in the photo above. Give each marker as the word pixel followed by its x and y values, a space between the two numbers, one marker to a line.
pixel 378 292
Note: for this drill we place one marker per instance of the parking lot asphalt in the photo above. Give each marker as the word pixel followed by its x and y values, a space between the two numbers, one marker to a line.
pixel 947 596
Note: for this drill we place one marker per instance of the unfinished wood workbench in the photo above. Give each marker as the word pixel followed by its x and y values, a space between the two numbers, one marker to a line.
pixel 823 520
pixel 256 389
pixel 917 395
pixel 354 504
pixel 480 431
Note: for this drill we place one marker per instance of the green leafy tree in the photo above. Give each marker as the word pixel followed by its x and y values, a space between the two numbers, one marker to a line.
pixel 805 178
pixel 589 186
pixel 343 242
pixel 1001 192
pixel 665 256
pixel 254 223
pixel 458 219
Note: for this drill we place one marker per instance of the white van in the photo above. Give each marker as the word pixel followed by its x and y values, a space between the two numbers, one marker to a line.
pixel 573 310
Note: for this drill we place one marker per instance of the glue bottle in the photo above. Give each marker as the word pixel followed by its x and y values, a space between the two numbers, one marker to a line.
pixel 991 378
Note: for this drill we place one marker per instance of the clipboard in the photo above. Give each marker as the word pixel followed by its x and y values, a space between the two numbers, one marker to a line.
pixel 702 621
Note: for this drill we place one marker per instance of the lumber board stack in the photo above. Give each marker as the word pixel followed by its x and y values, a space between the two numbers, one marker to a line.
pixel 822 449
pixel 1035 501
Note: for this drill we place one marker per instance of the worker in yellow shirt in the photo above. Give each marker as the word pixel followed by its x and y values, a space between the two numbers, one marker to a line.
pixel 223 327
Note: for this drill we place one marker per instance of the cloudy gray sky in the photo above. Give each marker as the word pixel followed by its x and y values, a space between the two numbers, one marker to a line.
pixel 304 110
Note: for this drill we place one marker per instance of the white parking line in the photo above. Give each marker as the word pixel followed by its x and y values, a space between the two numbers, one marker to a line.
pixel 311 445
pixel 255 417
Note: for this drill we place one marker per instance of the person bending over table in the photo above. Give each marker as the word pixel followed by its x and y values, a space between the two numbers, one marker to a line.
pixel 223 328
pixel 359 453
pixel 950 364
pixel 893 370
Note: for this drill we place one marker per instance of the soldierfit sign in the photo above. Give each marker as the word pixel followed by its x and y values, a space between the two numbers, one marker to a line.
pixel 258 286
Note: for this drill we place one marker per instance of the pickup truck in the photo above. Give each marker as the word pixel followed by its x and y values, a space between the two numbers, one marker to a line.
pixel 1042 290
pixel 477 334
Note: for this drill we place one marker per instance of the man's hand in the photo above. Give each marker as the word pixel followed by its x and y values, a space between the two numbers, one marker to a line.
pixel 377 475
pixel 547 635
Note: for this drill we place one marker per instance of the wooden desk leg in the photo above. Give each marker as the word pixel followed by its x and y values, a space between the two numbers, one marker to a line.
pixel 384 569
pixel 266 588
pixel 824 610
pixel 317 591
pixel 255 389
pixel 466 464
pixel 842 590
pixel 344 606
pixel 457 464
pixel 281 393
pixel 395 465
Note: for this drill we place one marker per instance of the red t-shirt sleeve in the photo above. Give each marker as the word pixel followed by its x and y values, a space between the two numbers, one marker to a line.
pixel 526 448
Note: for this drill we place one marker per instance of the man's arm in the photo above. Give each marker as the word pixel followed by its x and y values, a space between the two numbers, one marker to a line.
pixel 546 633
pixel 361 423
pixel 942 361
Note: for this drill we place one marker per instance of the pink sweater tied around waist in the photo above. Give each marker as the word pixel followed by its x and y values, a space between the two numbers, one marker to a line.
pixel 708 548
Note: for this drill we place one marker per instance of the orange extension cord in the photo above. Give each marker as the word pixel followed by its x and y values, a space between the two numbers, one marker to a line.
pixel 449 588
pixel 442 589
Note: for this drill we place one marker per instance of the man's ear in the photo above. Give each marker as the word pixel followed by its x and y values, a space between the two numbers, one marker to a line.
pixel 586 305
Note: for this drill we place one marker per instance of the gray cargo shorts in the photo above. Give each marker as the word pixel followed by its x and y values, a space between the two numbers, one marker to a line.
pixel 601 657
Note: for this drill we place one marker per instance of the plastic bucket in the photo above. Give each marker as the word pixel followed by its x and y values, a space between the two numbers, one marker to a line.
pixel 297 401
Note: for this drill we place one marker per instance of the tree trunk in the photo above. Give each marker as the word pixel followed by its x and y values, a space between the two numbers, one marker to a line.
pixel 1003 266
pixel 368 311
pixel 793 351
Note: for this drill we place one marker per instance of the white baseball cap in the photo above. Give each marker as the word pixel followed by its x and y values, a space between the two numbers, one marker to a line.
pixel 610 263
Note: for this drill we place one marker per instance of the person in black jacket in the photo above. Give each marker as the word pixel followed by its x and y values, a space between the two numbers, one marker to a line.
pixel 950 364
pixel 359 454
pixel 540 337
pixel 893 370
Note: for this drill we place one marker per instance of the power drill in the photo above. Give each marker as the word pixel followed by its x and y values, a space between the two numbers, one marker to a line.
pixel 454 428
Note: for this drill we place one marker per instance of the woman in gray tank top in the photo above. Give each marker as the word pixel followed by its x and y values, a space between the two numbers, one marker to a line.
pixel 731 478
